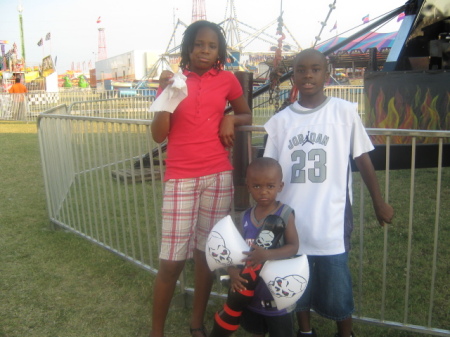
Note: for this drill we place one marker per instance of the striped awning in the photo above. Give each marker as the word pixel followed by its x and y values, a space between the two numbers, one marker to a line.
pixel 381 41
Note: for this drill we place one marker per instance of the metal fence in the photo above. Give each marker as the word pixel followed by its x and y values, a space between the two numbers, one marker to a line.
pixel 35 102
pixel 262 108
pixel 92 186
pixel 27 107
pixel 103 182
pixel 128 108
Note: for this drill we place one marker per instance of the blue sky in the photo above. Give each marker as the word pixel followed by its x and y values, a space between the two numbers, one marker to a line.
pixel 149 24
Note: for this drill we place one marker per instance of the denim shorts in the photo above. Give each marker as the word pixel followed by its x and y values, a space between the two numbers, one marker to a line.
pixel 276 326
pixel 329 291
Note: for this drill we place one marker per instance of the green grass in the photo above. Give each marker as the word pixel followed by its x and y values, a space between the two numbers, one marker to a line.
pixel 422 245
pixel 54 283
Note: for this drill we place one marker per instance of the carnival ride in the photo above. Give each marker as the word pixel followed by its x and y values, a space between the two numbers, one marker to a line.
pixel 411 90
pixel 432 49
pixel 239 37
pixel 11 67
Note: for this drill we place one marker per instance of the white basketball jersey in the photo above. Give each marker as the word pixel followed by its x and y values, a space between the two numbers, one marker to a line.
pixel 314 149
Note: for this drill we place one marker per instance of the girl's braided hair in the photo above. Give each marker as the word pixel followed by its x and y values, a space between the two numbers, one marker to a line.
pixel 189 36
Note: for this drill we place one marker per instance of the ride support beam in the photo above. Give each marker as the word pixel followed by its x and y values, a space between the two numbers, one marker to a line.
pixel 241 148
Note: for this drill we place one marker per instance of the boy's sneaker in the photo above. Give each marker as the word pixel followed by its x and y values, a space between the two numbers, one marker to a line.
pixel 302 334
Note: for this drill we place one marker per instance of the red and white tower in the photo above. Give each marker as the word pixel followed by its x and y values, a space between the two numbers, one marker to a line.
pixel 101 44
pixel 198 10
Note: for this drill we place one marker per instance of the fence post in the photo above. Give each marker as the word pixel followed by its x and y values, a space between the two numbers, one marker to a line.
pixel 241 149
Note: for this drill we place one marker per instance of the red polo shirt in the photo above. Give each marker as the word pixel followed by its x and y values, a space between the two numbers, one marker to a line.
pixel 194 148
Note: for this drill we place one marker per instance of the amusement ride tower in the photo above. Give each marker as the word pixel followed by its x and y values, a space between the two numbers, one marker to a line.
pixel 198 10
pixel 101 44
pixel 231 25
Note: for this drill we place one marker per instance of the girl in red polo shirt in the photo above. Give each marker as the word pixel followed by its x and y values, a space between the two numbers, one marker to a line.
pixel 198 178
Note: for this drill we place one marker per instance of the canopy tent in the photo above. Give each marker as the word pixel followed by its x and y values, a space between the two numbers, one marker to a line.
pixel 381 41
pixel 355 53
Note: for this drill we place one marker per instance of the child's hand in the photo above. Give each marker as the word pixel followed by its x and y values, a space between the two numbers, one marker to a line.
pixel 165 78
pixel 236 281
pixel 256 256
pixel 384 213
pixel 226 131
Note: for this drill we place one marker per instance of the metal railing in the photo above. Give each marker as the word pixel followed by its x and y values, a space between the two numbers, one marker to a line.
pixel 100 185
pixel 92 186
pixel 27 107
pixel 128 108
pixel 14 107
pixel 34 103
pixel 262 110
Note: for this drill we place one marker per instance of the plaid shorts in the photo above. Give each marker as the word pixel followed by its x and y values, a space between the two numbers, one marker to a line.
pixel 191 207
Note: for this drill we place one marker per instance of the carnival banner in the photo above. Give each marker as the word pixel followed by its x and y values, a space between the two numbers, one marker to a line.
pixel 417 100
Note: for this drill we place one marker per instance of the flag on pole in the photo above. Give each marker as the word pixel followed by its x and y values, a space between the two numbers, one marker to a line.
pixel 99 19
pixel 401 16
pixel 366 19
pixel 40 43
pixel 48 37
pixel 334 27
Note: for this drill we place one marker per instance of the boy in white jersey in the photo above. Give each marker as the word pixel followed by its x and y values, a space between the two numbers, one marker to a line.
pixel 313 140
